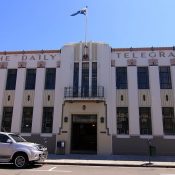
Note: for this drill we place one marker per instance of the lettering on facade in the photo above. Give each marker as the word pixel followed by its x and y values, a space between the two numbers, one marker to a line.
pixel 152 54
pixel 40 57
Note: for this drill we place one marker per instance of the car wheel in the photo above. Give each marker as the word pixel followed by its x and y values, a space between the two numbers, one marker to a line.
pixel 20 161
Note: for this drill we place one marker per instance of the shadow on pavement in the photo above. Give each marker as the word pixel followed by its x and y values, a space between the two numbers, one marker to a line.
pixel 12 167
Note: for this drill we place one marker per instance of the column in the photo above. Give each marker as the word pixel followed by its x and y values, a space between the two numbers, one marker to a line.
pixel 3 77
pixel 157 124
pixel 90 69
pixel 173 82
pixel 67 59
pixel 58 101
pixel 134 128
pixel 38 101
pixel 80 70
pixel 18 101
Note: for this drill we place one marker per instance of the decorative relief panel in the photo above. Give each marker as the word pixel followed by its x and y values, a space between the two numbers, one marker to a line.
pixel 3 65
pixel 49 98
pixel 122 98
pixel 22 64
pixel 172 61
pixel 9 96
pixel 112 63
pixel 153 62
pixel 28 98
pixel 131 62
pixel 41 64
pixel 59 64
pixel 166 98
pixel 144 97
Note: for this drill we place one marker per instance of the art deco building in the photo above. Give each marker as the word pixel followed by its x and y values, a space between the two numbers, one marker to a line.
pixel 93 99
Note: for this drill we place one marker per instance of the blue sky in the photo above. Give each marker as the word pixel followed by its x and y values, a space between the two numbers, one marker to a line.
pixel 47 24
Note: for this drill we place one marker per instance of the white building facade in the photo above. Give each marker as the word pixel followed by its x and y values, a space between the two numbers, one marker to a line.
pixel 91 99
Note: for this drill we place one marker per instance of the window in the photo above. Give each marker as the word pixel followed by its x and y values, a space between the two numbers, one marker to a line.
pixel 122 120
pixel 165 77
pixel 11 79
pixel 145 120
pixel 143 77
pixel 30 79
pixel 50 78
pixel 75 79
pixel 94 79
pixel 27 120
pixel 3 138
pixel 7 119
pixel 168 120
pixel 47 120
pixel 121 78
pixel 85 80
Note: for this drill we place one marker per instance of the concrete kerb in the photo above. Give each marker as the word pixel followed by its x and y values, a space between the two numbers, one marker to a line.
pixel 107 164
pixel 113 160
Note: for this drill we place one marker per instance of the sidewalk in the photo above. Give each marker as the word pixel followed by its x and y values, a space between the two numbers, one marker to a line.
pixel 111 160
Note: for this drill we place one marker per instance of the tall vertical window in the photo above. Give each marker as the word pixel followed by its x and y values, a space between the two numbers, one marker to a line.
pixel 47 122
pixel 75 79
pixel 94 79
pixel 168 120
pixel 85 80
pixel 145 120
pixel 50 78
pixel 122 120
pixel 165 77
pixel 121 78
pixel 11 79
pixel 30 79
pixel 7 119
pixel 26 125
pixel 143 77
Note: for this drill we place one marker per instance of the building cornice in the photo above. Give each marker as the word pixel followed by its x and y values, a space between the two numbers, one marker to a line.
pixel 142 49
pixel 29 52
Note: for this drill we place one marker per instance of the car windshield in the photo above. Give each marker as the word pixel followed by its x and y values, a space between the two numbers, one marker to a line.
pixel 17 138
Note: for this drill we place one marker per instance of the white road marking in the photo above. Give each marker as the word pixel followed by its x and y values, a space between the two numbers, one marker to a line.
pixel 58 171
pixel 51 169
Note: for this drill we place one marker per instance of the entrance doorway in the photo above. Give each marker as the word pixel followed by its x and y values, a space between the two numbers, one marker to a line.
pixel 84 134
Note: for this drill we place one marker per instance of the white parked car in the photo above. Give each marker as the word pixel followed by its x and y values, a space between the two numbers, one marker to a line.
pixel 15 149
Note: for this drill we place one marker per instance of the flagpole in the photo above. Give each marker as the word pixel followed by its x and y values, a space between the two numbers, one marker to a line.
pixel 85 31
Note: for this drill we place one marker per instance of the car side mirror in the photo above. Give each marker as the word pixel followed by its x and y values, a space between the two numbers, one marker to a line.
pixel 9 141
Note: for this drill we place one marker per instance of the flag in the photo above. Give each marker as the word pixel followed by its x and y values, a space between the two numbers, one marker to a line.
pixel 83 11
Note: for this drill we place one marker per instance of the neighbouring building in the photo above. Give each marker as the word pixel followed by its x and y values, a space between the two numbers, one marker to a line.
pixel 91 98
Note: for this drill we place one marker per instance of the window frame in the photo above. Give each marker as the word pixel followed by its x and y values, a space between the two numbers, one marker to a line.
pixel 11 79
pixel 27 119
pixel 143 77
pixel 165 77
pixel 122 121
pixel 121 78
pixel 30 79
pixel 50 78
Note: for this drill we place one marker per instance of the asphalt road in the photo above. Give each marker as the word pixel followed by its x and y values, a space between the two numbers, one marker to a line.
pixel 83 170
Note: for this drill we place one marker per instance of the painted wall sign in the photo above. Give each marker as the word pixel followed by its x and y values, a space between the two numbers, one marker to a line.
pixel 152 54
pixel 36 57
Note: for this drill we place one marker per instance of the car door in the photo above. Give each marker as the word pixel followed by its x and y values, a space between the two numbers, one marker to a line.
pixel 5 148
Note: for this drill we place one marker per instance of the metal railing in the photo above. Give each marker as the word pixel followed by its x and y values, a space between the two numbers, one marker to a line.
pixel 84 92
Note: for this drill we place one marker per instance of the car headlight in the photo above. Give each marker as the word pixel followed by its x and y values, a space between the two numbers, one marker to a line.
pixel 34 148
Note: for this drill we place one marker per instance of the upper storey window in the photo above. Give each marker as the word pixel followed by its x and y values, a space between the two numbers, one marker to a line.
pixel 11 79
pixel 121 78
pixel 165 77
pixel 30 79
pixel 75 79
pixel 50 78
pixel 143 77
